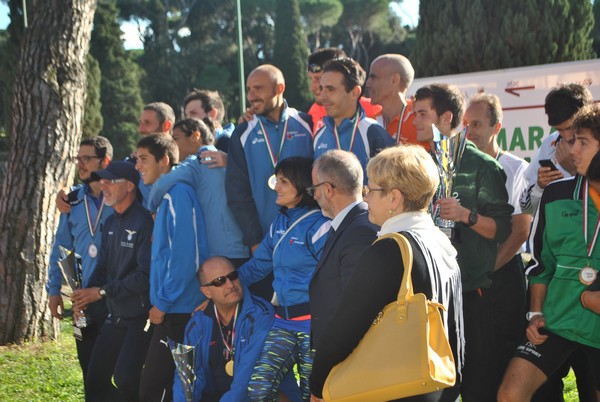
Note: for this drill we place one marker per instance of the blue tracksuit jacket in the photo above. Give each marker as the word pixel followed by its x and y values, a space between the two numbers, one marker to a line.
pixel 249 167
pixel 179 246
pixel 254 322
pixel 223 233
pixel 295 260
pixel 73 234
pixel 370 138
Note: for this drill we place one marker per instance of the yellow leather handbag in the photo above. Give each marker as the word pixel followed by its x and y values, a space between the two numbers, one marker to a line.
pixel 404 353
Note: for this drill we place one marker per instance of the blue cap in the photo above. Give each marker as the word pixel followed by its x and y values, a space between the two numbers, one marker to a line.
pixel 118 170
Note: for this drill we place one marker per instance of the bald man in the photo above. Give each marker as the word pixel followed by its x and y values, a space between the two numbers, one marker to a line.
pixel 390 76
pixel 275 132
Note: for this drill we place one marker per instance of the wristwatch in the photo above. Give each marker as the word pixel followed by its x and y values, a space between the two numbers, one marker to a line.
pixel 532 314
pixel 473 217
pixel 102 293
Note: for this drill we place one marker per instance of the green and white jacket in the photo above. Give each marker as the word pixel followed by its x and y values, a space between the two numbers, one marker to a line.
pixel 559 255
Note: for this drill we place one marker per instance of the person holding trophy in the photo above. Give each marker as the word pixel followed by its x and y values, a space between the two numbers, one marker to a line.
pixel 79 232
pixel 224 340
pixel 474 211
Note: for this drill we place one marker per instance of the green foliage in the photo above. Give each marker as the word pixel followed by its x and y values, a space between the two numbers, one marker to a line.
pixel 119 88
pixel 92 118
pixel 10 45
pixel 319 14
pixel 290 54
pixel 596 30
pixel 47 371
pixel 468 35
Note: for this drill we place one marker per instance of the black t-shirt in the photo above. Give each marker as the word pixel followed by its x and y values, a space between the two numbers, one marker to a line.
pixel 217 353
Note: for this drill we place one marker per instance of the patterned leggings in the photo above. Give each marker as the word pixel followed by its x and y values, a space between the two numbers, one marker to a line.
pixel 283 348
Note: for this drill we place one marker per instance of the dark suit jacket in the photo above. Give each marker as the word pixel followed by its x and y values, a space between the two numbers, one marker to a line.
pixel 336 265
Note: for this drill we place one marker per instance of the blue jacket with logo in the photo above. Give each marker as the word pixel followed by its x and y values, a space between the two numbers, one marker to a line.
pixel 370 138
pixel 253 324
pixel 296 257
pixel 124 262
pixel 179 246
pixel 223 233
pixel 73 233
pixel 249 167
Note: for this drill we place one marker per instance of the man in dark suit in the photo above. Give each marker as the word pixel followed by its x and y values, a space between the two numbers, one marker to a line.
pixel 337 178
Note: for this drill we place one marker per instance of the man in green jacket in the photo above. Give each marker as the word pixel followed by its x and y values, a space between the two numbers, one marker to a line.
pixel 564 281
pixel 480 209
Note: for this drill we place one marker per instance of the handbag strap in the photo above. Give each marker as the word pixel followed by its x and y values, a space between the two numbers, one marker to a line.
pixel 292 226
pixel 406 287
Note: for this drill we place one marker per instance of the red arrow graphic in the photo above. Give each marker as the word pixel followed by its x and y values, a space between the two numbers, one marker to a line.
pixel 513 90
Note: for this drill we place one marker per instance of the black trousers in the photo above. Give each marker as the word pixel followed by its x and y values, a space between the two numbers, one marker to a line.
pixel 97 312
pixel 119 351
pixel 507 302
pixel 159 368
pixel 478 374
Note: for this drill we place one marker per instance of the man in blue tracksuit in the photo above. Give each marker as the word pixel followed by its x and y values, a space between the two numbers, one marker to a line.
pixel 228 335
pixel 81 231
pixel 179 246
pixel 346 126
pixel 223 233
pixel 121 277
pixel 253 155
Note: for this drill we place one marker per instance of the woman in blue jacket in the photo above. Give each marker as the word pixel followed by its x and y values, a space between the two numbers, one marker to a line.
pixel 291 251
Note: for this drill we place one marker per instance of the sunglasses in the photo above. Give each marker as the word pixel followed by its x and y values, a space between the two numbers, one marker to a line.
pixel 220 281
pixel 315 68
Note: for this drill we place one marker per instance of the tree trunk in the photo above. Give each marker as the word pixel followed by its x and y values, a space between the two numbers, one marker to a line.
pixel 48 105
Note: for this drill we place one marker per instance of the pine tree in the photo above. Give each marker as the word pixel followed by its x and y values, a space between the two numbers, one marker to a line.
pixel 49 95
pixel 92 117
pixel 472 35
pixel 290 53
pixel 119 88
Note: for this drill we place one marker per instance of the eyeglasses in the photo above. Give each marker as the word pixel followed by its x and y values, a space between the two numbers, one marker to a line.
pixel 367 190
pixel 112 181
pixel 84 159
pixel 311 190
pixel 315 68
pixel 220 281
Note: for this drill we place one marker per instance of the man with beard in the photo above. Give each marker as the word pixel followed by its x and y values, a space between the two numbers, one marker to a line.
pixel 275 132
pixel 80 231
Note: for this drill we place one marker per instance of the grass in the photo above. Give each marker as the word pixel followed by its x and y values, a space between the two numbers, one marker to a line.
pixel 49 371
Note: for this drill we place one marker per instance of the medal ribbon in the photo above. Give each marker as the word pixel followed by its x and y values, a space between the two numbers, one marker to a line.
pixel 89 217
pixel 399 131
pixel 354 130
pixel 274 159
pixel 590 246
pixel 227 346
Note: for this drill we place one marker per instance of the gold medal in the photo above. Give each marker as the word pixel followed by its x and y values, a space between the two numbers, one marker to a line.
pixel 229 368
pixel 93 250
pixel 588 275
pixel 272 182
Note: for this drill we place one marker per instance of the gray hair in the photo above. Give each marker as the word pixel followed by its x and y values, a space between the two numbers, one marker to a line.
pixel 342 169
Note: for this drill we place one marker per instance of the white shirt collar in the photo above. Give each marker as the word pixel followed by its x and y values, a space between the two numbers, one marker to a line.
pixel 337 221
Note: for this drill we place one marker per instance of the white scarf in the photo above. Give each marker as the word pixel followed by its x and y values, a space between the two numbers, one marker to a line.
pixel 444 272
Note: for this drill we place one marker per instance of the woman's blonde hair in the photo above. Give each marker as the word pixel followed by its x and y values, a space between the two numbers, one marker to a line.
pixel 409 169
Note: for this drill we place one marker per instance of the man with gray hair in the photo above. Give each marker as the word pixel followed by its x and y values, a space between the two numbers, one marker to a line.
pixel 389 78
pixel 337 178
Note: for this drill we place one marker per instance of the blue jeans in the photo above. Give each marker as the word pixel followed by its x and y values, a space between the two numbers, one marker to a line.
pixel 120 350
